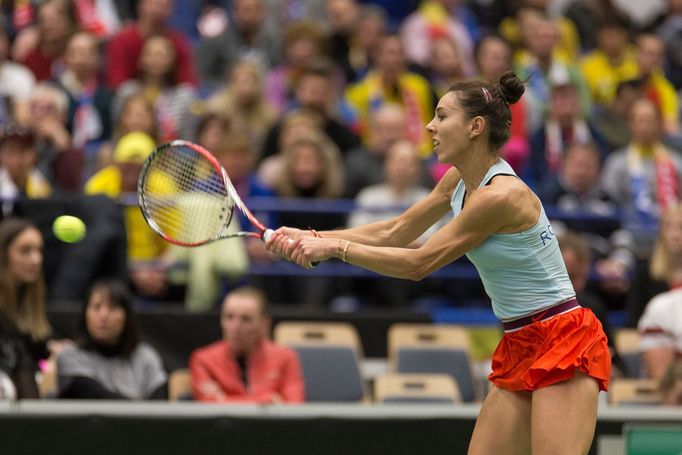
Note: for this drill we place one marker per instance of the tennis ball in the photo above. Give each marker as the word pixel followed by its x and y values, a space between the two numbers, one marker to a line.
pixel 68 228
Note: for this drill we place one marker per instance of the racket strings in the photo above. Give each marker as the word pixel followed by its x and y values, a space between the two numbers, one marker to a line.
pixel 185 195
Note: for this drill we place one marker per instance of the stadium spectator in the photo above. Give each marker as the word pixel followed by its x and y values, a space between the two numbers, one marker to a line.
pixel 564 125
pixel 538 61
pixel 661 324
pixel 576 187
pixel 125 47
pixel 390 81
pixel 108 361
pixel 435 19
pixel 57 159
pixel 305 42
pixel 245 366
pixel 446 65
pixel 248 36
pixel 136 115
pixel 56 21
pixel 89 117
pixel 364 166
pixel 611 121
pixel 650 60
pixel 22 287
pixel 344 19
pixel 16 84
pixel 241 100
pixel 371 26
pixel 316 92
pixel 157 80
pixel 669 29
pixel 646 176
pixel 611 63
pixel 18 174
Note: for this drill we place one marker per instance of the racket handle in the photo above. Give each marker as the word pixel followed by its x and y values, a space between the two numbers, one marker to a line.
pixel 268 233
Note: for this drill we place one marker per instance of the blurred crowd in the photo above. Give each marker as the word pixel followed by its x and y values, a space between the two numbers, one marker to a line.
pixel 327 100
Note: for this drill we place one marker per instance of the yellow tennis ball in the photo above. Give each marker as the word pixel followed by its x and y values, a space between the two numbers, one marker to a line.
pixel 68 228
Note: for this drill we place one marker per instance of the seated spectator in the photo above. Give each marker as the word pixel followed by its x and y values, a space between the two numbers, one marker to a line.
pixel 22 287
pixel 57 159
pixel 611 120
pixel 661 324
pixel 56 20
pixel 304 44
pixel 316 92
pixel 248 36
pixel 16 84
pixel 145 247
pixel 245 366
pixel 124 49
pixel 241 101
pixel 564 125
pixel 671 384
pixel 650 60
pixel 611 63
pixel 364 166
pixel 18 173
pixel 645 177
pixel 577 186
pixel 156 79
pixel 400 188
pixel 370 27
pixel 390 81
pixel 108 361
pixel 89 117
pixel 434 19
pixel 311 168
pixel 136 115
pixel 446 65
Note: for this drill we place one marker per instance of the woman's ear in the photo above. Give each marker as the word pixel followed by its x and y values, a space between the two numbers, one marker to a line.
pixel 476 126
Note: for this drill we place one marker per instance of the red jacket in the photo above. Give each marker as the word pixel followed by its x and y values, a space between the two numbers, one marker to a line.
pixel 272 371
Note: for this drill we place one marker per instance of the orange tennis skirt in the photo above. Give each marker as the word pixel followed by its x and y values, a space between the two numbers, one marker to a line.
pixel 545 352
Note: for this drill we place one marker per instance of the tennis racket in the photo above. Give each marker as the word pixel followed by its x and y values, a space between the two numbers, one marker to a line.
pixel 187 198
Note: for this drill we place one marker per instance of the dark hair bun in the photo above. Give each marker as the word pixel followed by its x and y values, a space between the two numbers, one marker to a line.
pixel 511 87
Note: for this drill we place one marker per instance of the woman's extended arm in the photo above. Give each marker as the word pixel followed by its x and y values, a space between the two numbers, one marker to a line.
pixel 493 209
pixel 401 230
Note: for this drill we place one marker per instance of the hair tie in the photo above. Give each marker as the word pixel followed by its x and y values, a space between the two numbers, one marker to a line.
pixel 487 95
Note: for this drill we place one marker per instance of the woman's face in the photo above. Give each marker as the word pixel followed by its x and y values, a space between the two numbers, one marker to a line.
pixel 137 116
pixel 644 122
pixel 306 167
pixel 25 256
pixel 494 58
pixel 445 58
pixel 449 129
pixel 104 320
pixel 245 83
pixel 158 57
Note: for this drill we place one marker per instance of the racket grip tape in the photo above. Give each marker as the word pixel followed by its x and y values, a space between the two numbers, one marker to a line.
pixel 268 233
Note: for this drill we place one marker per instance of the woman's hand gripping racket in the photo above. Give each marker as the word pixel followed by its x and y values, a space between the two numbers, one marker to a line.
pixel 187 198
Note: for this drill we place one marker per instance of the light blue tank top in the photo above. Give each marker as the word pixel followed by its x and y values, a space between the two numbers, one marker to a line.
pixel 522 272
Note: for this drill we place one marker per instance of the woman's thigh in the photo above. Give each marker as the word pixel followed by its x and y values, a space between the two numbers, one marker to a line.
pixel 503 425
pixel 564 416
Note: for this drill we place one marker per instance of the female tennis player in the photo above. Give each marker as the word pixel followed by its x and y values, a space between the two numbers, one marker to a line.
pixel 553 359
